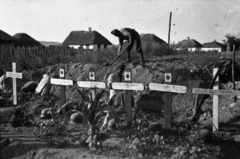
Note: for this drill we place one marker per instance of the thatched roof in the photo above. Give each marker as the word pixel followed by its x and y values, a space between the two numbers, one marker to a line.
pixel 151 38
pixel 85 38
pixel 4 37
pixel 25 40
pixel 189 43
pixel 214 44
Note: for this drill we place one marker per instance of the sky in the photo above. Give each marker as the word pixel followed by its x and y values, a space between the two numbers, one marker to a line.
pixel 53 20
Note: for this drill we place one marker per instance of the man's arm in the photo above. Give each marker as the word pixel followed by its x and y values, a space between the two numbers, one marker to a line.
pixel 130 37
pixel 120 45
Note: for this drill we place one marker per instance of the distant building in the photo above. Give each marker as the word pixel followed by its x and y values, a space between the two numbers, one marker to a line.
pixel 86 40
pixel 24 40
pixel 191 45
pixel 151 38
pixel 6 40
pixel 152 43
pixel 214 46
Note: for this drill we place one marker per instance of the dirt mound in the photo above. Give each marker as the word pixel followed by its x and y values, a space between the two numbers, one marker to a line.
pixel 178 141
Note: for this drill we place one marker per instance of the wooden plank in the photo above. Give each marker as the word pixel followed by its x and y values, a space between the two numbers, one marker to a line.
pixel 215 102
pixel 92 78
pixel 63 88
pixel 64 82
pixel 128 93
pixel 14 75
pixel 215 92
pixel 167 88
pixel 14 84
pixel 168 102
pixel 91 84
pixel 42 83
pixel 127 86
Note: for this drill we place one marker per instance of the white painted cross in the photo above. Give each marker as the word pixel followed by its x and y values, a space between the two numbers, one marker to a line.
pixel 92 84
pixel 128 87
pixel 215 92
pixel 168 89
pixel 14 75
pixel 63 83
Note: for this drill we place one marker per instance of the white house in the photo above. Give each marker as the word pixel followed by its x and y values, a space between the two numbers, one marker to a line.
pixel 86 40
pixel 191 45
pixel 214 46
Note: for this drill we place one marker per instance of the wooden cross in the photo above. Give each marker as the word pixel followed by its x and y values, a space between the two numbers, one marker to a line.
pixel 168 89
pixel 63 83
pixel 215 92
pixel 128 87
pixel 92 84
pixel 14 75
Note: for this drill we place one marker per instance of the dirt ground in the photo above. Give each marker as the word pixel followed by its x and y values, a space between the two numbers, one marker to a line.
pixel 181 141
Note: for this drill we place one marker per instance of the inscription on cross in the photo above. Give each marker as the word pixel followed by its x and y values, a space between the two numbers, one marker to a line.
pixel 14 75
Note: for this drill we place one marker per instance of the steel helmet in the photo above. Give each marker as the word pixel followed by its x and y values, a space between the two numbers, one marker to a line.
pixel 112 125
pixel 30 86
pixel 205 135
pixel 155 126
pixel 45 114
pixel 76 118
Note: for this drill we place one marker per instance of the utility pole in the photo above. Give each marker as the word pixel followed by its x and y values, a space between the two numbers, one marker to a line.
pixel 169 30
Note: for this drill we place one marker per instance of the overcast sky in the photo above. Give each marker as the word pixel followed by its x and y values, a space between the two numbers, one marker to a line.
pixel 53 20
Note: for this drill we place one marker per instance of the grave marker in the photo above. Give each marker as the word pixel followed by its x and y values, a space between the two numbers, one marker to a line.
pixel 128 87
pixel 128 95
pixel 215 92
pixel 92 84
pixel 168 89
pixel 63 83
pixel 168 101
pixel 14 75
pixel 92 77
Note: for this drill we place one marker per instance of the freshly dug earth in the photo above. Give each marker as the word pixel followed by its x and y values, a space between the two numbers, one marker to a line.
pixel 181 141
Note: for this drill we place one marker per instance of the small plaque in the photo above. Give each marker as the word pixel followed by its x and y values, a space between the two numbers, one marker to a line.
pixel 61 73
pixel 168 77
pixel 127 76
pixel 92 76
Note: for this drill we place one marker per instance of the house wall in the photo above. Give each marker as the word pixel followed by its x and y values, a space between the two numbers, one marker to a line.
pixel 84 46
pixel 219 49
pixel 91 47
pixel 194 49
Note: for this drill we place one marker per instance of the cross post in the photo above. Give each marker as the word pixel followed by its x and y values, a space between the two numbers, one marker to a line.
pixel 14 75
pixel 63 83
pixel 168 89
pixel 128 87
